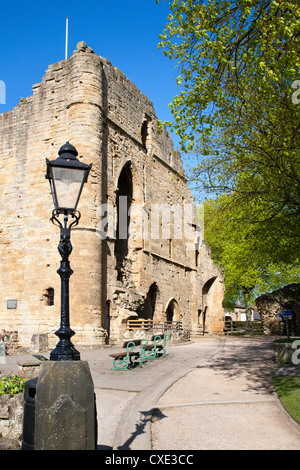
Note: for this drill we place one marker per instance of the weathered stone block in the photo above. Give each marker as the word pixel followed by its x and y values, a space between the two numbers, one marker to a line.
pixel 11 416
pixel 65 416
pixel 4 406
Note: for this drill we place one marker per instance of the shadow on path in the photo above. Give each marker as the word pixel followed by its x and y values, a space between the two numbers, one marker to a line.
pixel 250 358
pixel 149 416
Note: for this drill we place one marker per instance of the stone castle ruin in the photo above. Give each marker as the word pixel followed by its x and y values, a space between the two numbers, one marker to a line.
pixel 270 307
pixel 162 271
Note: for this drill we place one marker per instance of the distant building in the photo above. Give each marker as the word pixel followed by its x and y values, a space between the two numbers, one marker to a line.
pixel 240 313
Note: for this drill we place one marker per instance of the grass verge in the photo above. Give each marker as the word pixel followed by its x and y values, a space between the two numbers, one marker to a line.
pixel 285 340
pixel 288 390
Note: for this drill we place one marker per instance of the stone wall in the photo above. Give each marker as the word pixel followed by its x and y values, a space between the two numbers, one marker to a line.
pixel 89 102
pixel 270 307
pixel 10 342
pixel 11 417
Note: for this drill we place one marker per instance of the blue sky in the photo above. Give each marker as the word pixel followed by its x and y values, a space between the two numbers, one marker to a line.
pixel 126 32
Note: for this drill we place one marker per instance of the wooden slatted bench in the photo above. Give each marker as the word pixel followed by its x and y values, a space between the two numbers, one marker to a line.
pixel 125 360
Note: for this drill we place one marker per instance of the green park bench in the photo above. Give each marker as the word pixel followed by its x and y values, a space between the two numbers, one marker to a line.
pixel 126 360
pixel 156 348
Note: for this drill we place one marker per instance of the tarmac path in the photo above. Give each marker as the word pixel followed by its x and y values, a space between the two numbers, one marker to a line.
pixel 214 393
pixel 227 403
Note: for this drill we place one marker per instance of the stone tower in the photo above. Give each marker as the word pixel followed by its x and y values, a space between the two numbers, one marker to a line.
pixel 149 274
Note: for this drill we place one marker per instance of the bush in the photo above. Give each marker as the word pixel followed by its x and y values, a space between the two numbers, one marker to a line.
pixel 12 384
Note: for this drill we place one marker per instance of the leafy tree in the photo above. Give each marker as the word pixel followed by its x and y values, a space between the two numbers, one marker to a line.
pixel 237 65
pixel 248 268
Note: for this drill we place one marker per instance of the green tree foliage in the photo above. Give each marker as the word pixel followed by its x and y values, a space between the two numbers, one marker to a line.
pixel 238 62
pixel 237 248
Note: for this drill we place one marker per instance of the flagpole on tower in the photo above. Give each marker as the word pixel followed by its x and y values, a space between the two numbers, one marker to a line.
pixel 66 47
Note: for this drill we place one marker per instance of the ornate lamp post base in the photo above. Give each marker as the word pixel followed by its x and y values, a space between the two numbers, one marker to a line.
pixel 58 355
pixel 65 350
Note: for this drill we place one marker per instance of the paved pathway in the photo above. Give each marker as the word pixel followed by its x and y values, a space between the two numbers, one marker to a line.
pixel 212 393
pixel 226 402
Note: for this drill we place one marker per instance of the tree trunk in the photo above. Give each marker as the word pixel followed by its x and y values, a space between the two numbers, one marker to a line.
pixel 246 294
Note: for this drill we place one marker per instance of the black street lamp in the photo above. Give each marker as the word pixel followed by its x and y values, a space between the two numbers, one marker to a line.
pixel 67 176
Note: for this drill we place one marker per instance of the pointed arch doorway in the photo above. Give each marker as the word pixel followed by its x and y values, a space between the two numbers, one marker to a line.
pixel 107 318
pixel 173 311
pixel 123 203
pixel 150 302
pixel 207 302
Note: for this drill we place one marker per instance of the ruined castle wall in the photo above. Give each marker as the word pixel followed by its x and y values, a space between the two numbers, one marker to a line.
pixel 157 180
pixel 87 101
pixel 33 131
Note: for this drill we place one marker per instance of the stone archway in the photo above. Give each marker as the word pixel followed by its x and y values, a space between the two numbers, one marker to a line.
pixel 129 219
pixel 270 306
pixel 173 311
pixel 107 318
pixel 294 322
pixel 123 204
pixel 205 290
pixel 150 302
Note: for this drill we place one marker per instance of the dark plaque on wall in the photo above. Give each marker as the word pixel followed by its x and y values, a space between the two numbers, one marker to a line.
pixel 11 304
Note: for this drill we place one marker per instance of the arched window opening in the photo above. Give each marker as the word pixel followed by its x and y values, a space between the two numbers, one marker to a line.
pixel 150 302
pixel 172 312
pixel 107 318
pixel 196 257
pixel 144 134
pixel 199 315
pixel 205 291
pixel 124 200
pixel 208 285
pixel 49 296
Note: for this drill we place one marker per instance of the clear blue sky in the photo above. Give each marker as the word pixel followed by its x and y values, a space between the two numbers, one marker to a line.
pixel 126 32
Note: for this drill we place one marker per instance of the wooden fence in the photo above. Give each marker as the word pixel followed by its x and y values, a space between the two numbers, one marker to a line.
pixel 240 328
pixel 150 325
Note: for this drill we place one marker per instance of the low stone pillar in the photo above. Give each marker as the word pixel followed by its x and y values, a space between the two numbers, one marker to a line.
pixel 65 415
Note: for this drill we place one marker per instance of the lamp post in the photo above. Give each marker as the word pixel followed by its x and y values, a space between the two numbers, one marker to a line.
pixel 67 176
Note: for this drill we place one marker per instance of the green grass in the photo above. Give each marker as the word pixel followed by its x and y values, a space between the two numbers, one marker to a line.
pixel 288 389
pixel 285 340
